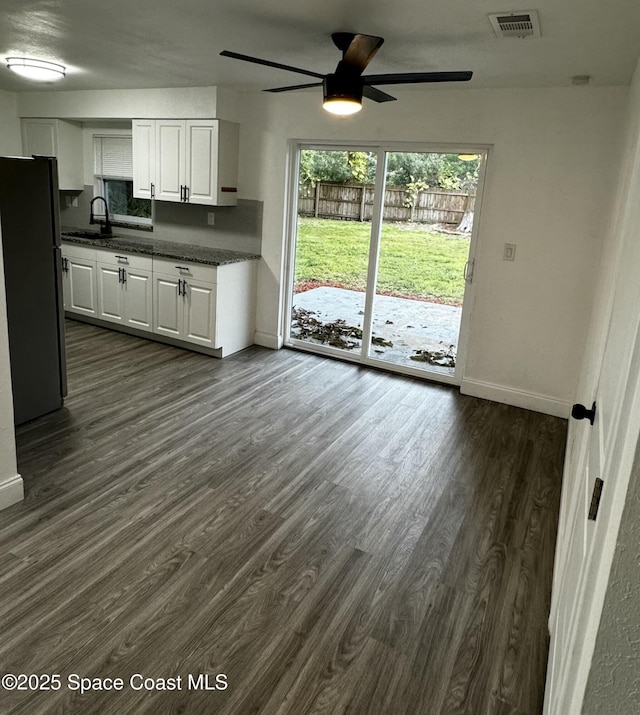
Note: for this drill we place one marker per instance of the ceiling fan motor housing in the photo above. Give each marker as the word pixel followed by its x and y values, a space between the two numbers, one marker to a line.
pixel 343 87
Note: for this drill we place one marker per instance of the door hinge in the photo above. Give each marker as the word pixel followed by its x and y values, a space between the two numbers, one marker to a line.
pixel 595 499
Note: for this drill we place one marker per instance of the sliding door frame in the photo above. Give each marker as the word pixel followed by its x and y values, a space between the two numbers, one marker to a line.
pixel 381 149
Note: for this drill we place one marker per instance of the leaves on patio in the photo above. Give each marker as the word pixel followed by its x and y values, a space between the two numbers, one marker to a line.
pixel 446 357
pixel 336 333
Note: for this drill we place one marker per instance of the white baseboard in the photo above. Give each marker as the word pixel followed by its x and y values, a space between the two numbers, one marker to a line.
pixel 268 340
pixel 11 491
pixel 516 398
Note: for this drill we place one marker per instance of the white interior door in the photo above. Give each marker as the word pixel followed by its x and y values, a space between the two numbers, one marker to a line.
pixel 572 565
pixel 585 548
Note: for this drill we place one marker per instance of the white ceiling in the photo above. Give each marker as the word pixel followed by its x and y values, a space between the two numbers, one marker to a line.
pixel 167 43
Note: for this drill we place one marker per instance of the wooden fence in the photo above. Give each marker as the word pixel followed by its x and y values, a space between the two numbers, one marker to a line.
pixel 354 202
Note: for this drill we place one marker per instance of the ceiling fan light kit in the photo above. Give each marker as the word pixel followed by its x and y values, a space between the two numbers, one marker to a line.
pixel 38 70
pixel 342 95
pixel 344 89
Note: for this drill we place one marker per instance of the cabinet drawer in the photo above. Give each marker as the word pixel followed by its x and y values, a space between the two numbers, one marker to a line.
pixel 73 250
pixel 121 258
pixel 184 269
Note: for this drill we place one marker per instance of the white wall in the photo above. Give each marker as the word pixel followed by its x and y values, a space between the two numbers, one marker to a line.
pixel 548 190
pixel 183 102
pixel 10 481
pixel 11 489
pixel 10 138
pixel 174 103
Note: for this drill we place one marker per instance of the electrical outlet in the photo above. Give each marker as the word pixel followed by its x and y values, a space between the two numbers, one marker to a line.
pixel 509 253
pixel 211 218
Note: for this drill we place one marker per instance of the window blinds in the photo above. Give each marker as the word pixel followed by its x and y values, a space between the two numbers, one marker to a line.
pixel 113 157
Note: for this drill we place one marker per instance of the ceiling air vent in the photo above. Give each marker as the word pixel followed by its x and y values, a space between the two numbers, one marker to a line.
pixel 516 24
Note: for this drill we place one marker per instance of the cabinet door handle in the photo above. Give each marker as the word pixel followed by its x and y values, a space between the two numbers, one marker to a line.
pixel 124 276
pixel 186 193
pixel 184 287
pixel 180 286
pixel 182 268
pixel 119 275
pixel 153 191
pixel 181 192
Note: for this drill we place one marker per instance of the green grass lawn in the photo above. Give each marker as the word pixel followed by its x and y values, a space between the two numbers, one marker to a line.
pixel 414 262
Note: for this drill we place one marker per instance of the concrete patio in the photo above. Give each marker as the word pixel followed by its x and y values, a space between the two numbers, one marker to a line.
pixel 409 324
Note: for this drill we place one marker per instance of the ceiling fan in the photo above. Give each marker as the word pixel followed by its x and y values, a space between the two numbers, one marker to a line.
pixel 344 88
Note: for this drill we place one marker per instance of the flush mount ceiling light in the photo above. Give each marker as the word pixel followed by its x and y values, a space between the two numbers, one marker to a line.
pixel 38 70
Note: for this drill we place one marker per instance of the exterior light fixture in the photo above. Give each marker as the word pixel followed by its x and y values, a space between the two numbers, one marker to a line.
pixel 342 95
pixel 38 70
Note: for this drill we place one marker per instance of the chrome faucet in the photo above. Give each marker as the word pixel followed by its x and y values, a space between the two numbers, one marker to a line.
pixel 105 228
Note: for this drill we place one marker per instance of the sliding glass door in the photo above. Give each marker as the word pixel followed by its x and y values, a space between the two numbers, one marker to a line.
pixel 382 256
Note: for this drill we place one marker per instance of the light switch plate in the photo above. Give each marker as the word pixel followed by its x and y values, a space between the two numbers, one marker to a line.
pixel 509 253
pixel 211 218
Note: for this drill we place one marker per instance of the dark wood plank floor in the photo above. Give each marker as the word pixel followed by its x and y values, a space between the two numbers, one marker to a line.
pixel 332 538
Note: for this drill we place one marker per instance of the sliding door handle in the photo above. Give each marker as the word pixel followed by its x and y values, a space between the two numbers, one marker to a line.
pixel 468 271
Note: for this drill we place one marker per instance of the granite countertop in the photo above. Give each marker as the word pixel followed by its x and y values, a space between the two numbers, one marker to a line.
pixel 162 249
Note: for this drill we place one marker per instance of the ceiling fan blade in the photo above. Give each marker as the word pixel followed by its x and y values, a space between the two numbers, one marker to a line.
pixel 268 63
pixel 416 77
pixel 376 94
pixel 292 87
pixel 359 52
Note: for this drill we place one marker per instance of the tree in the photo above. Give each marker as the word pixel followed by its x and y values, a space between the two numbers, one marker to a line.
pixel 336 166
pixel 434 169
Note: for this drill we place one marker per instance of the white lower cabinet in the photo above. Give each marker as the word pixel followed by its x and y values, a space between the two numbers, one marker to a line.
pixel 184 302
pixel 212 307
pixel 125 289
pixel 79 280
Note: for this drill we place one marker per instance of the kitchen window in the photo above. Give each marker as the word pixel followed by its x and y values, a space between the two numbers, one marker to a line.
pixel 113 179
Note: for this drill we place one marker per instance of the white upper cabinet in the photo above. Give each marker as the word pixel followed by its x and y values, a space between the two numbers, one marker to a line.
pixel 144 158
pixel 195 161
pixel 59 138
pixel 170 160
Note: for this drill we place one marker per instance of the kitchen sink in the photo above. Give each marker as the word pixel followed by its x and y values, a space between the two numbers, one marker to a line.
pixel 87 234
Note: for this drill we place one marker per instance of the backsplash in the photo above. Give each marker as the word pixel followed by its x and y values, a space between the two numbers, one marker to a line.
pixel 238 228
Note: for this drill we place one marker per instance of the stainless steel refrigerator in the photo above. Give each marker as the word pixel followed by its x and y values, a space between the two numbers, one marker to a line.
pixel 30 227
